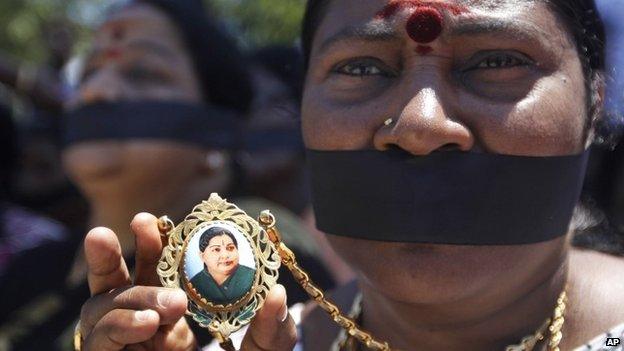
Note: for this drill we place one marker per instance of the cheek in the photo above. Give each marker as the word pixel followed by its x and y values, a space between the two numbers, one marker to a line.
pixel 550 121
pixel 331 125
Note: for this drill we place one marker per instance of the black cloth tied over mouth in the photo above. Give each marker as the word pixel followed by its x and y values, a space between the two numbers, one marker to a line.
pixel 461 198
pixel 201 125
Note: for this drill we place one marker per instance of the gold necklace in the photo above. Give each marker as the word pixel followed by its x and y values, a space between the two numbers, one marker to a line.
pixel 552 325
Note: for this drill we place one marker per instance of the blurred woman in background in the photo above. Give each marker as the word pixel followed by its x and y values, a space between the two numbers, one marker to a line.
pixel 151 127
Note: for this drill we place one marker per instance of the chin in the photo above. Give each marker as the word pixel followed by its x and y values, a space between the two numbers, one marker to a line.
pixel 426 273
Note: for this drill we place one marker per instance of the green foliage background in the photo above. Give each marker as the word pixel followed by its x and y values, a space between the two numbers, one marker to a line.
pixel 263 21
pixel 255 22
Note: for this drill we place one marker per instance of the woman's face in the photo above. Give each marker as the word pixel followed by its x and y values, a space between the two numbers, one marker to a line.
pixel 138 54
pixel 221 256
pixel 503 77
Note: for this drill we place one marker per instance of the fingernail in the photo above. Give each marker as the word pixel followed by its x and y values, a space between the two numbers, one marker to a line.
pixel 143 316
pixel 165 298
pixel 283 311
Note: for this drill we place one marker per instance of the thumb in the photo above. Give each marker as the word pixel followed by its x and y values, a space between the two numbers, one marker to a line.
pixel 273 328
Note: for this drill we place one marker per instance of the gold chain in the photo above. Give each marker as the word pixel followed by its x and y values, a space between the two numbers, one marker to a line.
pixel 267 220
pixel 353 331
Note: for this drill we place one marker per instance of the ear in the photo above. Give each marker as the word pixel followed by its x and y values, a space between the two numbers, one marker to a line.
pixel 214 162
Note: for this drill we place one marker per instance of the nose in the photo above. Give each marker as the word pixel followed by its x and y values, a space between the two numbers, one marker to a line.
pixel 423 127
pixel 103 85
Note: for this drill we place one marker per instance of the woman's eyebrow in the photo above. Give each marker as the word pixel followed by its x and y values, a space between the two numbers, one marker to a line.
pixel 369 32
pixel 512 28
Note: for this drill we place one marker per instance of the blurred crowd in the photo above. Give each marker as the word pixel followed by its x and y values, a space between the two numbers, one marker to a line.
pixel 166 109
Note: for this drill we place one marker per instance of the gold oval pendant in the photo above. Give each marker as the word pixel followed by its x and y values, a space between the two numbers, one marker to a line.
pixel 224 261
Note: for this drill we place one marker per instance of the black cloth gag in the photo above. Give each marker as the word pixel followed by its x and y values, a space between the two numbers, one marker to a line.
pixel 462 198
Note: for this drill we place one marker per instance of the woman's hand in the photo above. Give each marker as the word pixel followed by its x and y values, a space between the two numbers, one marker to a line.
pixel 122 314
pixel 140 315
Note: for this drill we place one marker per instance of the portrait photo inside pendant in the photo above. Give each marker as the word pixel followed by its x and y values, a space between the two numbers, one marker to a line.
pixel 219 264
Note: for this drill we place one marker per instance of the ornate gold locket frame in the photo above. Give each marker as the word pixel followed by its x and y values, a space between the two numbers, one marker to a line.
pixel 235 251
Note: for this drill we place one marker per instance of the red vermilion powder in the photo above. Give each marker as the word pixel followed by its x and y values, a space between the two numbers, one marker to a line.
pixel 425 24
pixel 395 6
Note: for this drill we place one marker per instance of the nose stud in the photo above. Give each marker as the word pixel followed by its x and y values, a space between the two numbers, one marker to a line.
pixel 388 122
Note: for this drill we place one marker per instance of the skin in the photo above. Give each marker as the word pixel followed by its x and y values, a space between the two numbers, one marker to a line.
pixel 221 258
pixel 139 54
pixel 531 103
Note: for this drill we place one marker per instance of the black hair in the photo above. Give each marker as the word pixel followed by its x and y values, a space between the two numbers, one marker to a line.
pixel 214 232
pixel 219 63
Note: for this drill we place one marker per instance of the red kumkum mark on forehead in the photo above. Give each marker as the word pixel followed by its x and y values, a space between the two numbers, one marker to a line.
pixel 426 22
pixel 425 25
pixel 395 6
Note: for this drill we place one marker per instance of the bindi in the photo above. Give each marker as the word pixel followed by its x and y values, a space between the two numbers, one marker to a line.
pixel 426 21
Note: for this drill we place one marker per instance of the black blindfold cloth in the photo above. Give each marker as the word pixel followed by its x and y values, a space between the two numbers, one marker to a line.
pixel 201 125
pixel 461 198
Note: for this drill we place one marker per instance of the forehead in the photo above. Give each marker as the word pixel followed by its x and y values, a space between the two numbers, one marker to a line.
pixel 138 21
pixel 535 14
pixel 472 6
pixel 221 240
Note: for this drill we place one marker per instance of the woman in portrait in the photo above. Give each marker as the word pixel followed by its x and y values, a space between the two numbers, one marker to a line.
pixel 447 146
pixel 223 280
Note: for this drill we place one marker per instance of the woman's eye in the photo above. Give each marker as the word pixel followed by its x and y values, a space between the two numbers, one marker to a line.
pixel 362 68
pixel 501 61
pixel 216 249
pixel 230 248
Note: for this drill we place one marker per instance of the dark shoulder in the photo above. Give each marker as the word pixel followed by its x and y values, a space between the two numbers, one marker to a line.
pixel 596 294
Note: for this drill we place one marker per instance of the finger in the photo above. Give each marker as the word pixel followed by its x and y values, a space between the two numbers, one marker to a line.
pixel 106 268
pixel 170 304
pixel 177 337
pixel 120 328
pixel 148 249
pixel 272 328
